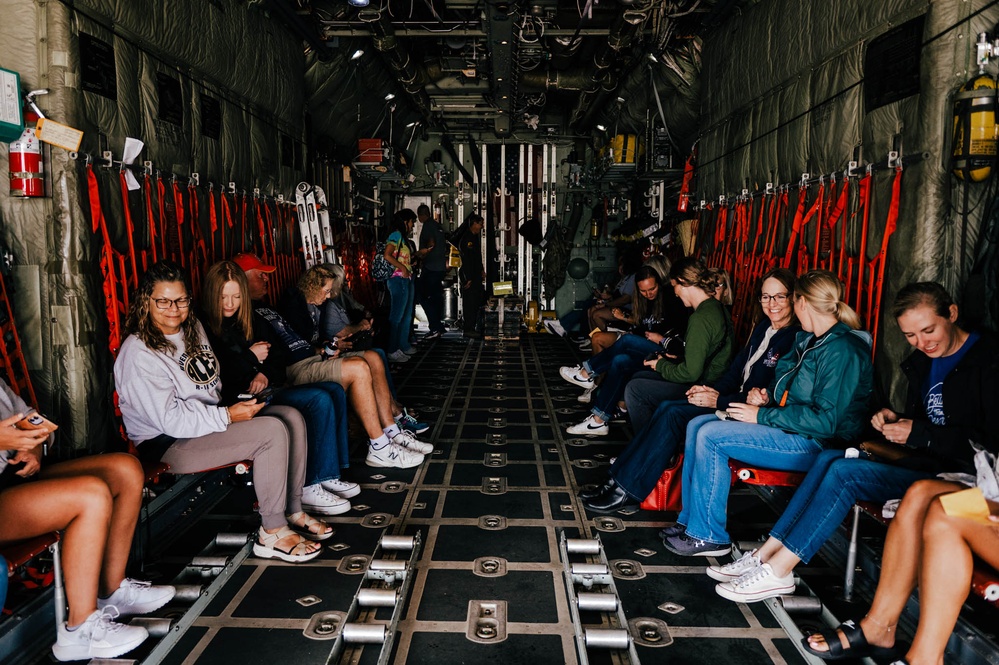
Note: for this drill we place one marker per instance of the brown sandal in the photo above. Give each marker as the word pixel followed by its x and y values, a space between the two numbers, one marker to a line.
pixel 306 525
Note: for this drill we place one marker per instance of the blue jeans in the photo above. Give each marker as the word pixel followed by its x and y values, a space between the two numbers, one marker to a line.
pixel 825 497
pixel 400 313
pixel 572 319
pixel 617 364
pixel 324 407
pixel 645 392
pixel 639 466
pixel 706 474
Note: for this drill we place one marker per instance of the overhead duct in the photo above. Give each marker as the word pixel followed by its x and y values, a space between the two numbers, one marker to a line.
pixel 603 80
pixel 411 76
pixel 301 28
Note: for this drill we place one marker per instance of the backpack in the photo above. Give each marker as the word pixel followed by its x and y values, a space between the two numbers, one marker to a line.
pixel 381 269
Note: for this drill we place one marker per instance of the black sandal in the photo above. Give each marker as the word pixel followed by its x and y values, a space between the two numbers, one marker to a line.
pixel 859 646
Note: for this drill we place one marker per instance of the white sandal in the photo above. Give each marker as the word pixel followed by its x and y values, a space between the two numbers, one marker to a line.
pixel 266 546
pixel 308 525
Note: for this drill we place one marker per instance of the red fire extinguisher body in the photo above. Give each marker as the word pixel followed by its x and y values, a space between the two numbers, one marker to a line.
pixel 27 177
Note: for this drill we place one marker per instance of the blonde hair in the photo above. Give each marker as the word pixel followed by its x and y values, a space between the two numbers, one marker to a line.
pixel 661 265
pixel 824 292
pixel 312 280
pixel 216 278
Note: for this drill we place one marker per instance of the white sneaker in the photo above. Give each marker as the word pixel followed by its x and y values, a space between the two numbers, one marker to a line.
pixel 758 584
pixel 97 637
pixel 575 375
pixel 397 357
pixel 317 499
pixel 554 327
pixel 408 440
pixel 393 456
pixel 135 597
pixel 341 487
pixel 586 345
pixel 587 395
pixel 589 426
pixel 734 569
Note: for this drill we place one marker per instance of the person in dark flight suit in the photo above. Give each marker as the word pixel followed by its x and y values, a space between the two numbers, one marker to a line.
pixel 471 275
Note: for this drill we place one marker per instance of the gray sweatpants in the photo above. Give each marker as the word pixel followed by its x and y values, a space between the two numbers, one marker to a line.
pixel 276 442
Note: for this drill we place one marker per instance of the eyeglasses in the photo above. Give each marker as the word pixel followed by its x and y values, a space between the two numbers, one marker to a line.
pixel 166 303
pixel 777 298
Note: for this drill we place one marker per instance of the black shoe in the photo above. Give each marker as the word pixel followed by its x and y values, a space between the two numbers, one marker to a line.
pixel 594 492
pixel 431 336
pixel 610 502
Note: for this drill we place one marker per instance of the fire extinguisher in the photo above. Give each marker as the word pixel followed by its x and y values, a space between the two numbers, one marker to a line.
pixel 27 175
pixel 975 129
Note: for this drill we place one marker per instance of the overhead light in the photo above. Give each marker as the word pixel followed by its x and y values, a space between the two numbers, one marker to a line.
pixel 504 42
pixel 357 54
pixel 653 58
pixel 499 79
pixel 412 124
pixel 389 97
pixel 358 3
pixel 602 128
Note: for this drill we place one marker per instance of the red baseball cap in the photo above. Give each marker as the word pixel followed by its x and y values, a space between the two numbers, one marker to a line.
pixel 250 262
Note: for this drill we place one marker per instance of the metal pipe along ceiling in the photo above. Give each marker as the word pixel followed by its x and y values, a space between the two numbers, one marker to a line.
pixel 410 76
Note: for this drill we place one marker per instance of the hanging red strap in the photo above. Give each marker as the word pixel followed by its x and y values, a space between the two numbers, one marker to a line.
pixel 721 222
pixel 688 177
pixel 161 198
pixel 109 281
pixel 242 223
pixel 891 224
pixel 799 216
pixel 226 218
pixel 178 208
pixel 261 231
pixel 129 229
pixel 213 221
pixel 147 189
pixel 863 204
pixel 269 227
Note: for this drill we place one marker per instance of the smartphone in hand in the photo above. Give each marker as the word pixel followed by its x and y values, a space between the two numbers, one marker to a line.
pixel 723 415
pixel 36 421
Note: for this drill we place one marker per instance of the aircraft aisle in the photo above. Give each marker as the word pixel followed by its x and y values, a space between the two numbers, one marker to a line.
pixel 499 411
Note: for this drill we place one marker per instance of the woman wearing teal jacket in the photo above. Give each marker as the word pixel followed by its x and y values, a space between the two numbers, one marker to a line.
pixel 819 397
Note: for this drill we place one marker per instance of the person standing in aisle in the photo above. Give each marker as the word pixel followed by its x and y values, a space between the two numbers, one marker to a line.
pixel 430 284
pixel 471 275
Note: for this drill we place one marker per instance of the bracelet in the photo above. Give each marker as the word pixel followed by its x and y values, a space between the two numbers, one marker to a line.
pixel 228 416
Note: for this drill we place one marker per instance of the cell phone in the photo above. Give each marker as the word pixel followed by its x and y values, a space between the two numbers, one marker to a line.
pixel 723 415
pixel 264 395
pixel 655 355
pixel 36 421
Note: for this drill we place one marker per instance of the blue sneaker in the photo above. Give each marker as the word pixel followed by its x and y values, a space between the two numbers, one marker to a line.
pixel 684 545
pixel 413 425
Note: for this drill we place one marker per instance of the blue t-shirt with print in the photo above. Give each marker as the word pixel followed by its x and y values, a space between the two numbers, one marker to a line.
pixel 933 388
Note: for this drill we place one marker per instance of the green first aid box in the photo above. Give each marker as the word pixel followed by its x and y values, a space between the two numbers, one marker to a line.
pixel 11 115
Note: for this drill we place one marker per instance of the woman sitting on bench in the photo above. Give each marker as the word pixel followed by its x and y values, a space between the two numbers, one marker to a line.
pixel 932 440
pixel 952 395
pixel 168 388
pixel 251 361
pixel 819 398
pixel 95 502
pixel 637 469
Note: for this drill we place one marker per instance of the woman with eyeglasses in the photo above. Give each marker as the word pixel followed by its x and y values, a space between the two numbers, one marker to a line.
pixel 637 469
pixel 817 400
pixel 168 384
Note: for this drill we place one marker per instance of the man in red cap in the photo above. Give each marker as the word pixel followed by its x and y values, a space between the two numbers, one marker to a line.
pixel 257 273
